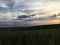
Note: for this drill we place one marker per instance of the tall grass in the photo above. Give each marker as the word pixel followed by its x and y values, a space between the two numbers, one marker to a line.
pixel 35 37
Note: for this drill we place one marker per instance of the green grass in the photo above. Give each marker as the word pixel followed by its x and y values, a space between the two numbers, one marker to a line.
pixel 35 37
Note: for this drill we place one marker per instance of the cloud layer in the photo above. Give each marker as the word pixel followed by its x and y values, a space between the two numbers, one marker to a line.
pixel 29 10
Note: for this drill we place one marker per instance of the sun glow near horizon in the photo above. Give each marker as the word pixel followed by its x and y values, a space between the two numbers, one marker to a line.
pixel 46 22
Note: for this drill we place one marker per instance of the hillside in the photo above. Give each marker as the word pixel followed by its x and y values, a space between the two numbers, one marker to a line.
pixel 31 28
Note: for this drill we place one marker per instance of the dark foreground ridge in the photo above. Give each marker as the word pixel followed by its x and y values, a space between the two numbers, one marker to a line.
pixel 31 28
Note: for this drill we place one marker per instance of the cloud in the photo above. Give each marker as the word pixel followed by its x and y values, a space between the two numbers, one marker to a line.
pixel 22 17
pixel 34 4
pixel 23 5
pixel 42 18
pixel 28 10
pixel 8 4
pixel 3 5
pixel 11 15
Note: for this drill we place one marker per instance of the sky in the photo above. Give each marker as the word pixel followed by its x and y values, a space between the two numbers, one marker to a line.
pixel 29 12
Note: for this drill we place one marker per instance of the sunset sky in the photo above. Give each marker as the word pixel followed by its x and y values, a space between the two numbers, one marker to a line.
pixel 29 12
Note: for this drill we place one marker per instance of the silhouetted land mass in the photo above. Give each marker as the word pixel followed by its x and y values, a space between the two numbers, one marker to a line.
pixel 41 27
pixel 35 35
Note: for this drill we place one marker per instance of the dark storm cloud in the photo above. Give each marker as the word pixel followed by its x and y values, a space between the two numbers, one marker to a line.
pixel 22 17
pixel 43 18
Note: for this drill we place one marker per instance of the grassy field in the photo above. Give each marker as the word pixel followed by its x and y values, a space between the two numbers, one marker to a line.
pixel 35 37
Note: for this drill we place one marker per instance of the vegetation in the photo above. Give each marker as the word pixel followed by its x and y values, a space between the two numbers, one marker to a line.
pixel 35 37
